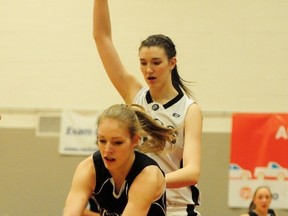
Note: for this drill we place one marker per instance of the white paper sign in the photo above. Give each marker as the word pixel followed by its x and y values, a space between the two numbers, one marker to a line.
pixel 78 133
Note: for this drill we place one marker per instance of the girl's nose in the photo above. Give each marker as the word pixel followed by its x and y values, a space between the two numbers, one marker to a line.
pixel 108 148
pixel 149 68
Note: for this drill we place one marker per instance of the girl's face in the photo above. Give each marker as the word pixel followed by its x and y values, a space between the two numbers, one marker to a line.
pixel 155 66
pixel 262 200
pixel 115 145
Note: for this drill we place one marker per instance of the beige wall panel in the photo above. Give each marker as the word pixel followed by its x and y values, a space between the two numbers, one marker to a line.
pixel 35 179
pixel 235 51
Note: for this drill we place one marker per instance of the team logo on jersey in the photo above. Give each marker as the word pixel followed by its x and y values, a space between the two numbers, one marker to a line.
pixel 176 115
pixel 155 107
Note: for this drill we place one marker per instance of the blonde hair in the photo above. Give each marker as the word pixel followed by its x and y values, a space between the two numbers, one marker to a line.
pixel 139 122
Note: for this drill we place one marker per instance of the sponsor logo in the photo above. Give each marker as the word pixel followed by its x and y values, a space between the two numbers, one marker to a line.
pixel 155 107
pixel 246 193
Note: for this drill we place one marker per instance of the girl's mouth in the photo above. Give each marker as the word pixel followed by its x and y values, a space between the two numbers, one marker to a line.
pixel 151 78
pixel 109 159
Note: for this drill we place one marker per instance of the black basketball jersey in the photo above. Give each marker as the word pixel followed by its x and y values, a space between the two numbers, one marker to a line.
pixel 106 202
pixel 270 213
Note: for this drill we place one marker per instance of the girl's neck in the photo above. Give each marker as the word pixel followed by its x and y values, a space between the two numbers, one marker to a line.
pixel 163 95
pixel 261 213
pixel 119 175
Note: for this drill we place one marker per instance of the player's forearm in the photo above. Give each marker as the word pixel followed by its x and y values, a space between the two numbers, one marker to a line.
pixel 101 20
pixel 90 213
pixel 182 178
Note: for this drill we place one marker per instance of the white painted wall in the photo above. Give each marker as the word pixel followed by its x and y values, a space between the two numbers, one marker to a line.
pixel 235 51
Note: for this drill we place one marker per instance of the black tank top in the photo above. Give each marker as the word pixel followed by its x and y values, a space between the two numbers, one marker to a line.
pixel 106 202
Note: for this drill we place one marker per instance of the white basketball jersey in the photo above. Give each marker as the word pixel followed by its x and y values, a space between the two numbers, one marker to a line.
pixel 171 114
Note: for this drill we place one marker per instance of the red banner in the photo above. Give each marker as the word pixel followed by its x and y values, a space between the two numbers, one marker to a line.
pixel 259 156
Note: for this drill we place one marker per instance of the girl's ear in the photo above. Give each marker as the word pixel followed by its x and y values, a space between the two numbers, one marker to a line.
pixel 173 62
pixel 136 139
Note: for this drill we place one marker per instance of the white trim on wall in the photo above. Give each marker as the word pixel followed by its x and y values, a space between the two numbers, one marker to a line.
pixel 214 121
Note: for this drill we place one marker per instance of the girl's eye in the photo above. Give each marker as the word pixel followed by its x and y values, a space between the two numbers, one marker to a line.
pixel 143 63
pixel 157 63
pixel 118 142
pixel 101 141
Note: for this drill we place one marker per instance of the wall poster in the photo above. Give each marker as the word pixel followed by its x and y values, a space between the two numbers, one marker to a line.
pixel 259 156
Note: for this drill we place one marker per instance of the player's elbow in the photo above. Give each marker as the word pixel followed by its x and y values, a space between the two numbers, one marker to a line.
pixel 194 176
pixel 100 37
pixel 97 37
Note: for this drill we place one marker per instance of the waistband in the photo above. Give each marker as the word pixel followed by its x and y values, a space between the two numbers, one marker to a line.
pixel 187 210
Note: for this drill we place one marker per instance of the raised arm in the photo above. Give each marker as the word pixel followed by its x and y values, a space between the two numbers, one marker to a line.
pixel 146 188
pixel 82 187
pixel 125 83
